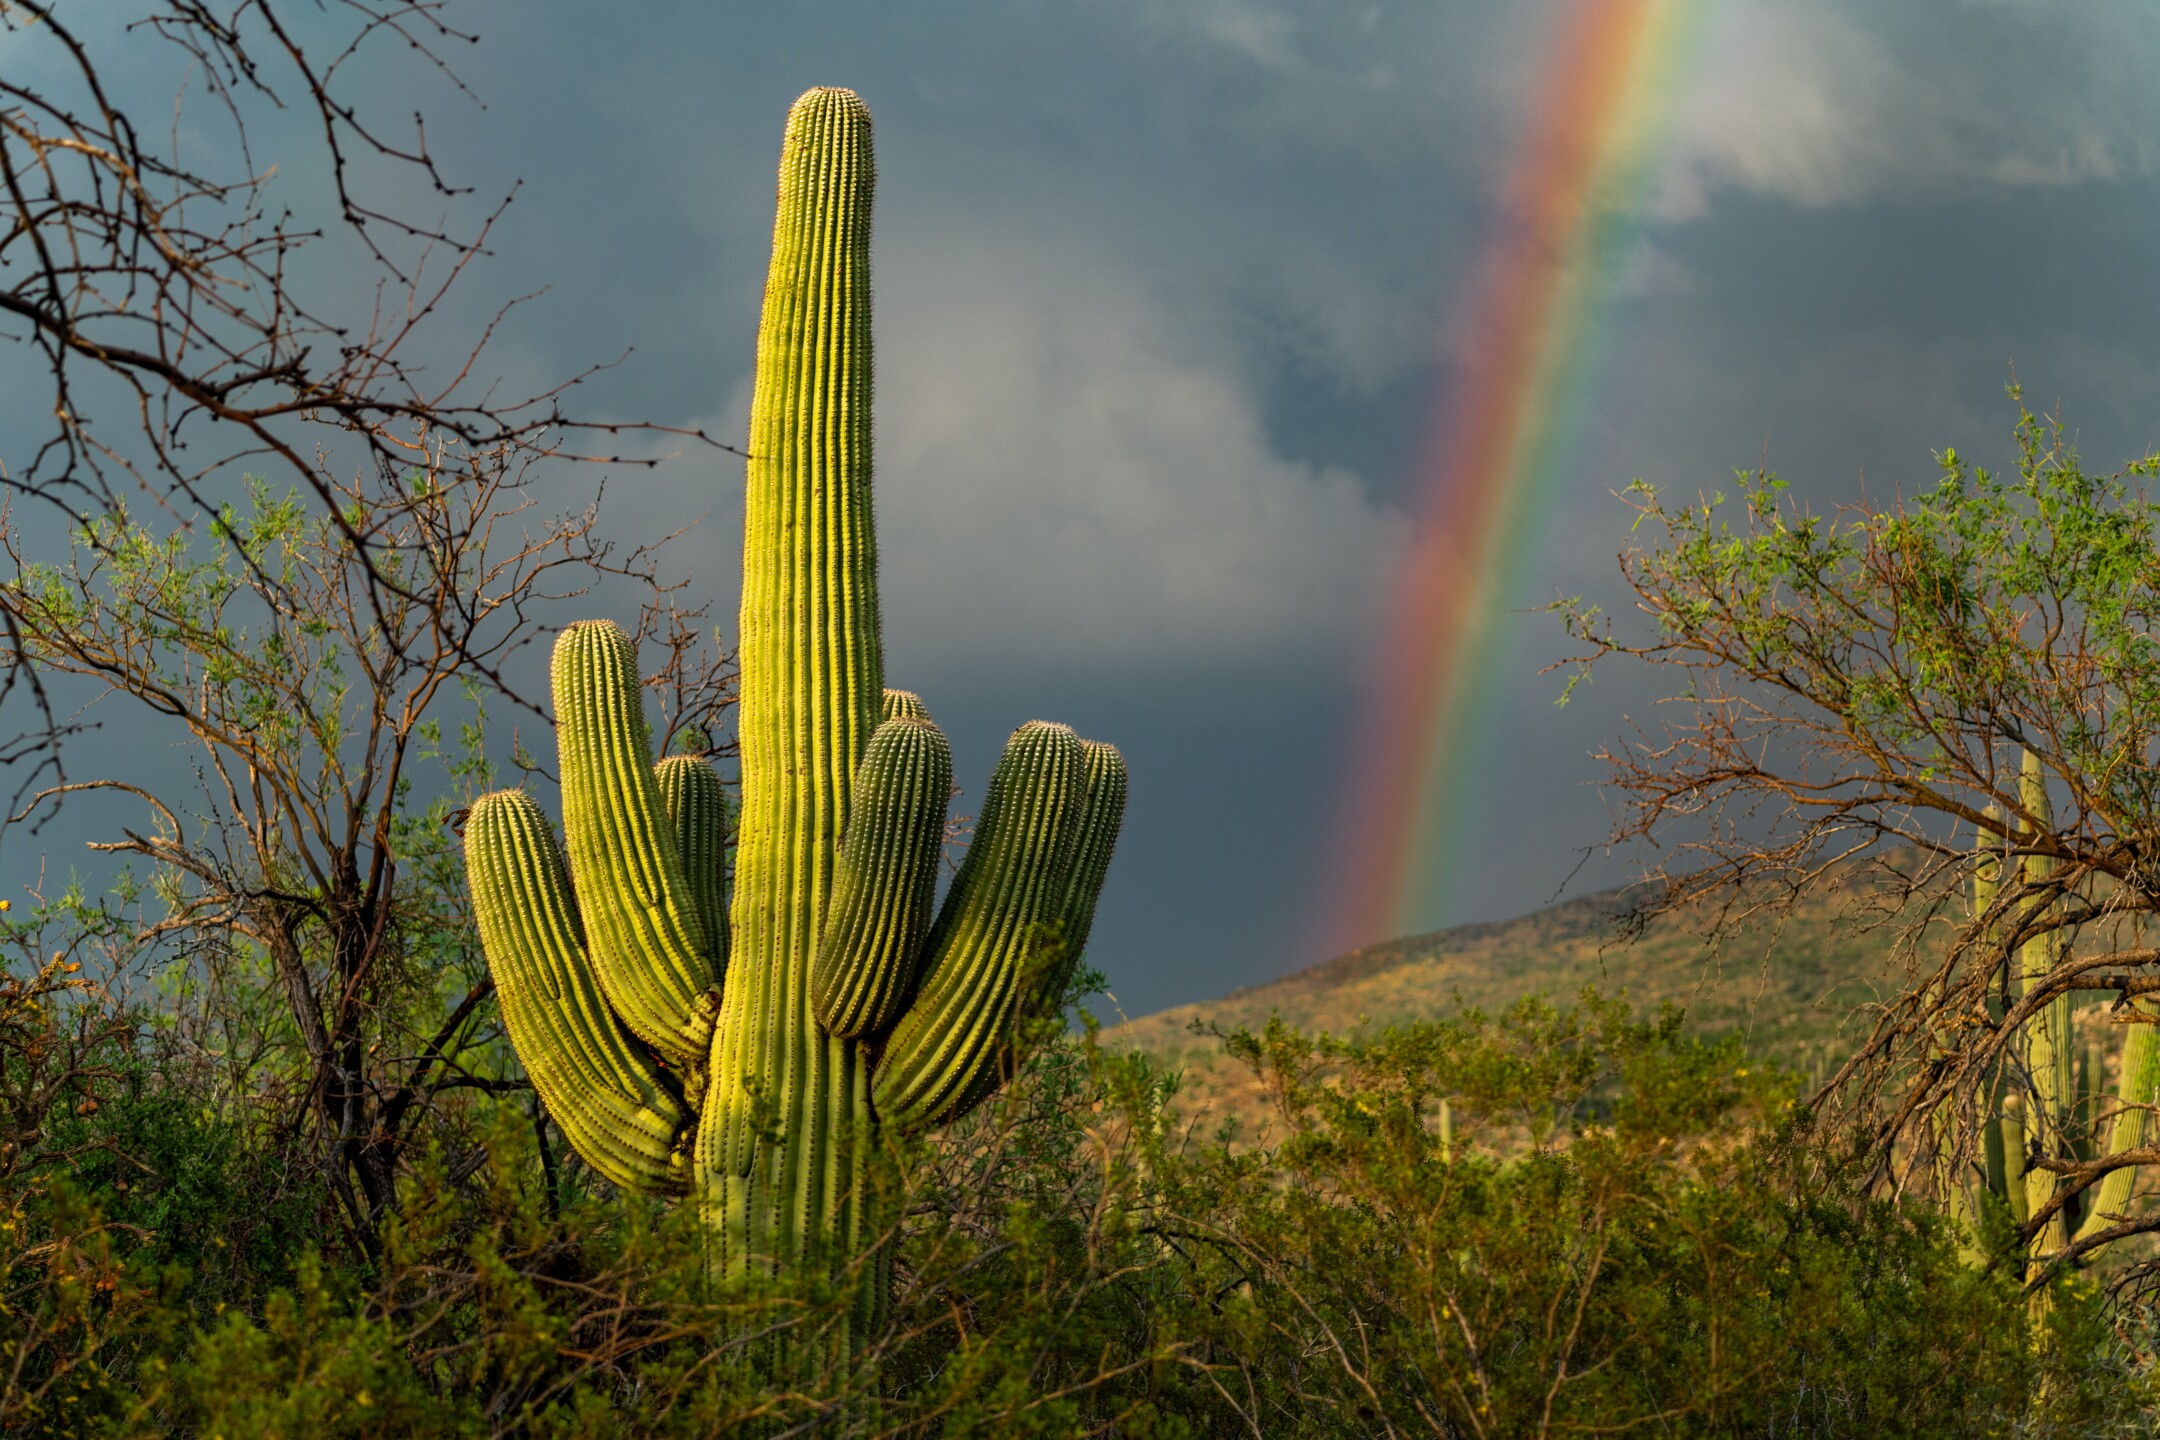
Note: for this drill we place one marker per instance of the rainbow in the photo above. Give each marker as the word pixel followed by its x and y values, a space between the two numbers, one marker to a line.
pixel 1566 223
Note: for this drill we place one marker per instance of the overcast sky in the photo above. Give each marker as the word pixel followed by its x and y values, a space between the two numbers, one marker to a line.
pixel 1166 292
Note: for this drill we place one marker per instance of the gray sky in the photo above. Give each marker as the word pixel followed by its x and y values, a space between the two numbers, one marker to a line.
pixel 1167 291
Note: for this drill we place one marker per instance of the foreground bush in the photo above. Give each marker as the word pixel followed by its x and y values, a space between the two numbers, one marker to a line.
pixel 1616 1228
pixel 1608 1227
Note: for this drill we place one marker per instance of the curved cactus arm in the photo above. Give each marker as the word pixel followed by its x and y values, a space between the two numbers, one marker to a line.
pixel 648 944
pixel 1100 818
pixel 604 1093
pixel 2140 1090
pixel 904 705
pixel 1004 906
pixel 696 806
pixel 886 883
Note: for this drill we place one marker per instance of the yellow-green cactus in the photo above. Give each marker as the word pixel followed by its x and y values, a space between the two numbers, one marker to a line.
pixel 603 1090
pixel 2048 1067
pixel 2139 1090
pixel 742 1043
pixel 2051 1097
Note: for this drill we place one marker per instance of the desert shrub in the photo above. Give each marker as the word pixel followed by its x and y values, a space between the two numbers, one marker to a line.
pixel 1610 1227
pixel 1617 1228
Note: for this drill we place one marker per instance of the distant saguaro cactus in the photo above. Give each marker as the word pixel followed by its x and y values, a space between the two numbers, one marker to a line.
pixel 2044 1101
pixel 744 1049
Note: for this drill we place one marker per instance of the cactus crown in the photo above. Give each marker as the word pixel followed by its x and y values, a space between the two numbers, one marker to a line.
pixel 692 1031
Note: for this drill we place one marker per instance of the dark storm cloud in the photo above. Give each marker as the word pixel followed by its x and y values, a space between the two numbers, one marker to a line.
pixel 1164 293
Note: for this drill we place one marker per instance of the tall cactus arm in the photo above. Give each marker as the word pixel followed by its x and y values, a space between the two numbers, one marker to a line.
pixel 648 945
pixel 2047 1043
pixel 886 885
pixel 696 806
pixel 812 685
pixel 1004 905
pixel 602 1091
pixel 2139 1091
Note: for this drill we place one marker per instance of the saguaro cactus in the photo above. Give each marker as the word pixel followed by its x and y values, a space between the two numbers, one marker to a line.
pixel 2050 1099
pixel 743 1049
pixel 2048 1068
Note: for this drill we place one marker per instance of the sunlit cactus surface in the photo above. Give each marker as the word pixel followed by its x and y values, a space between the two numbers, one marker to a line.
pixel 739 1038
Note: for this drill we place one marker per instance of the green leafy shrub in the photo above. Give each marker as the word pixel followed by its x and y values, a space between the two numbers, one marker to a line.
pixel 1618 1228
pixel 1558 1221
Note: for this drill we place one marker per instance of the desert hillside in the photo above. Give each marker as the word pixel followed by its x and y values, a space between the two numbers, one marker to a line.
pixel 1796 990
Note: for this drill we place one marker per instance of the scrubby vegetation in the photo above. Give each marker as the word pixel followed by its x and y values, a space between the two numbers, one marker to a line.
pixel 1559 1221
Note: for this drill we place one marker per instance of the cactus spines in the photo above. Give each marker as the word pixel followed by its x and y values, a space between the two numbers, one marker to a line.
pixel 887 880
pixel 903 705
pixel 823 952
pixel 606 1096
pixel 1102 813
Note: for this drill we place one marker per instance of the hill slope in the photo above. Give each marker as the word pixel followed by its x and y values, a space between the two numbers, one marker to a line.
pixel 1791 990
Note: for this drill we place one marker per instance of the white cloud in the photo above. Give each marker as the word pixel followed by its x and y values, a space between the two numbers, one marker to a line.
pixel 1264 33
pixel 1264 36
pixel 1826 104
pixel 2085 157
pixel 1797 102
pixel 1064 479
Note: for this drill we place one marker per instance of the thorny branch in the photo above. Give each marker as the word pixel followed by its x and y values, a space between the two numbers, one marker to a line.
pixel 154 277
pixel 273 502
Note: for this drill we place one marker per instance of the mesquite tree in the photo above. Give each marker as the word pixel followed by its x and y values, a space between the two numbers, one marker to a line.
pixel 162 285
pixel 258 501
pixel 744 1047
pixel 1958 697
pixel 307 855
